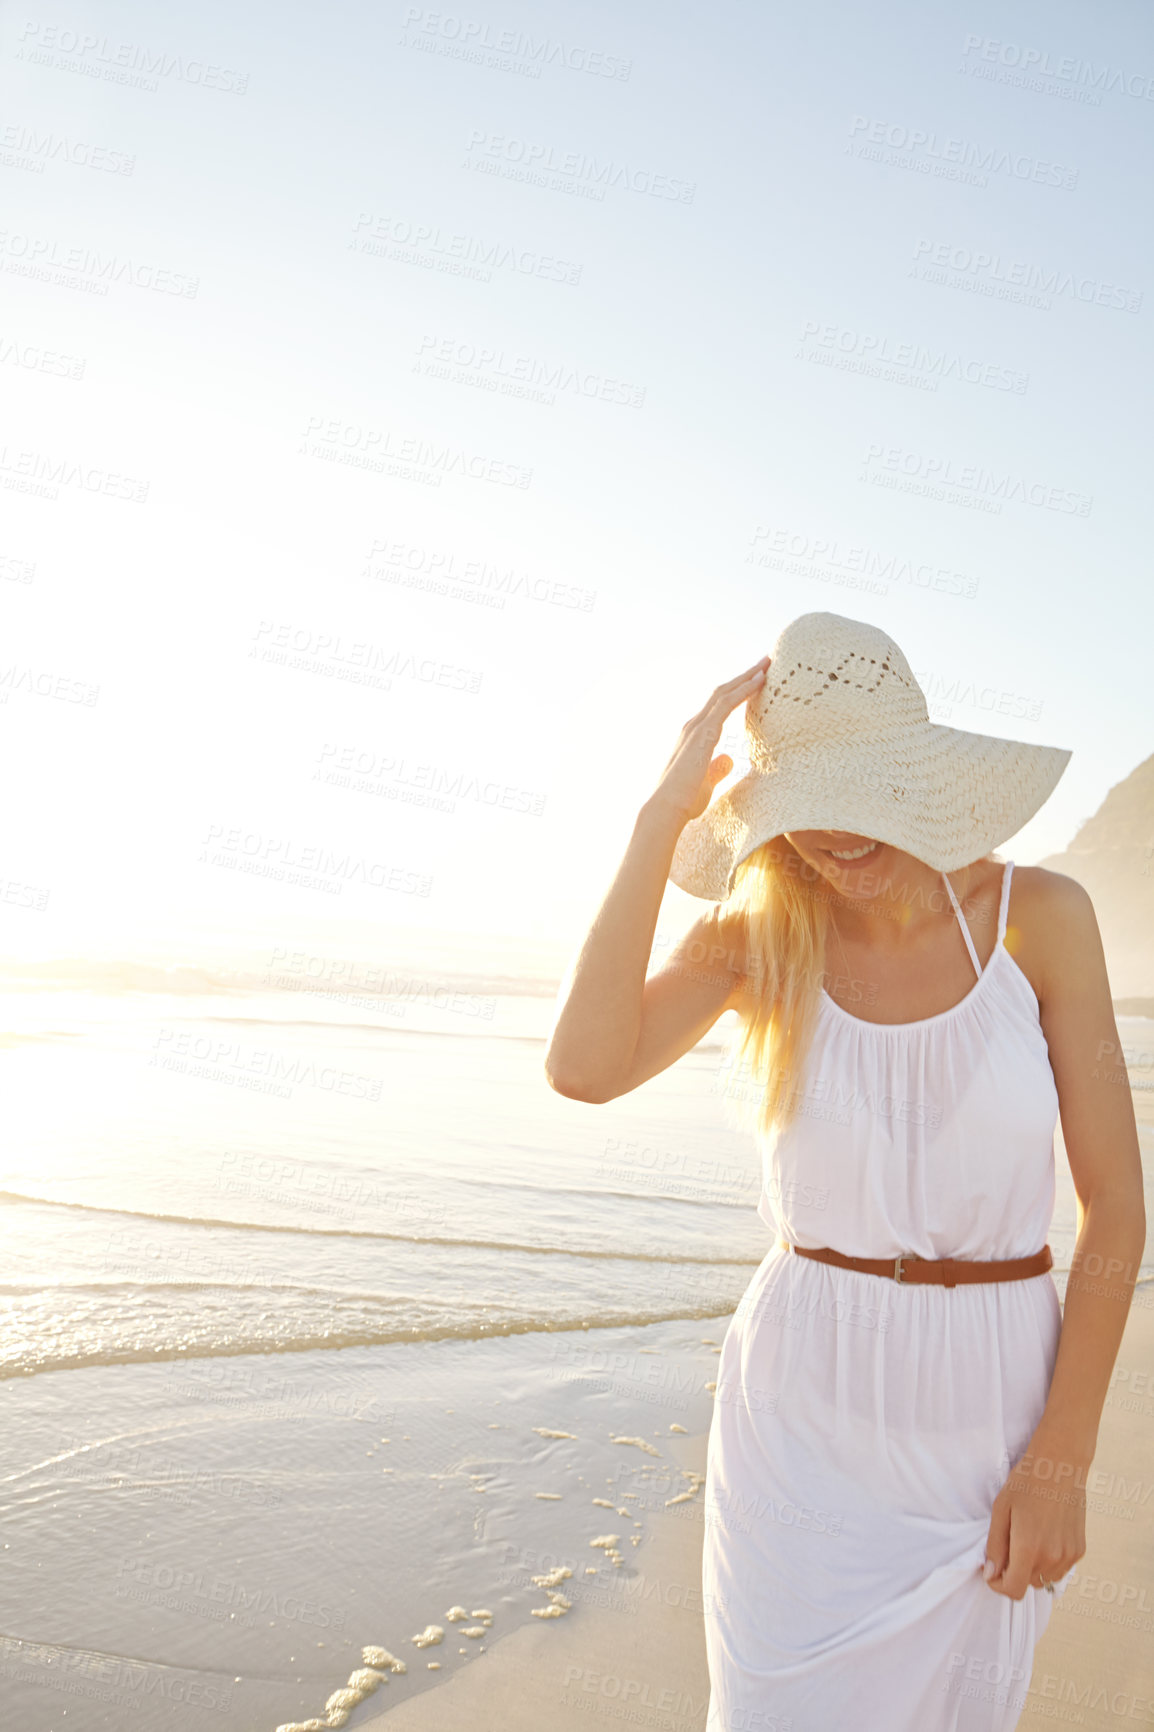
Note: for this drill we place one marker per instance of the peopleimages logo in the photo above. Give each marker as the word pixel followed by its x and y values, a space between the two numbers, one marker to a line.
pixel 476 40
pixel 996 486
pixel 45 473
pixel 313 865
pixel 104 57
pixel 33 255
pixel 219 1597
pixel 827 558
pixel 426 243
pixel 519 374
pixel 385 451
pixel 29 148
pixel 420 782
pixel 1040 63
pixel 990 273
pixel 532 158
pixel 214 1056
pixel 880 349
pixel 918 143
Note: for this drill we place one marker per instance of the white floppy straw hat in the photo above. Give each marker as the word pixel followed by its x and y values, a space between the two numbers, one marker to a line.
pixel 840 739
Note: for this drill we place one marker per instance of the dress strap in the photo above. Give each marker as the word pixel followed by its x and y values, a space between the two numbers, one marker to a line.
pixel 964 927
pixel 1004 907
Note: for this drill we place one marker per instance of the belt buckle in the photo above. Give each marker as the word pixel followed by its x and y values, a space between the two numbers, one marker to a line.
pixel 898 1261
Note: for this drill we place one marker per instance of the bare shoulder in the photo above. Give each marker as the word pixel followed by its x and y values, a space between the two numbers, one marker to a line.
pixel 722 933
pixel 1051 929
pixel 717 942
pixel 1038 895
pixel 732 934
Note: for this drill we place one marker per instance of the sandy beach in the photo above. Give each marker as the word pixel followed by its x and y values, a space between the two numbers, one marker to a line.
pixel 643 1661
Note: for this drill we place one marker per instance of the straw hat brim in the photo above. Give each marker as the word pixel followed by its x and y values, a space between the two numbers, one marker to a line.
pixel 944 795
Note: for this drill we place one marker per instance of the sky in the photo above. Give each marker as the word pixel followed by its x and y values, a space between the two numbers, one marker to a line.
pixel 410 417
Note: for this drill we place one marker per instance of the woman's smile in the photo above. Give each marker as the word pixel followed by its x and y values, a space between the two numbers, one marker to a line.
pixel 851 855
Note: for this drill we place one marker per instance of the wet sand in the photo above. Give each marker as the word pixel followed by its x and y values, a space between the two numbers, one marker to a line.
pixel 643 1661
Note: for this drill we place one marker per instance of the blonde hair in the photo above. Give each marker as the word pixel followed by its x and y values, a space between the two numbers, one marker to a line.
pixel 782 904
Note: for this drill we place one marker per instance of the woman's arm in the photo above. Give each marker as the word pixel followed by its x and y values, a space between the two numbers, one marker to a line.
pixel 615 1028
pixel 1039 1517
pixel 1101 1139
pixel 605 1003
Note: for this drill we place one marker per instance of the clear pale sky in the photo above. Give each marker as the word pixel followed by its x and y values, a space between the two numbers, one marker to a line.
pixel 788 275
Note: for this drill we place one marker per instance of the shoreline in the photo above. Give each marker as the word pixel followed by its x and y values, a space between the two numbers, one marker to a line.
pixel 641 1660
pixel 214 1543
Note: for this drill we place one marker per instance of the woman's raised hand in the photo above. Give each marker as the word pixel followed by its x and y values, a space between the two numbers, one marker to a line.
pixel 693 772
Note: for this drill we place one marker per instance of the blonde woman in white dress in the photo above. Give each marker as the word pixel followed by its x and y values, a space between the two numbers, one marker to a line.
pixel 905 1415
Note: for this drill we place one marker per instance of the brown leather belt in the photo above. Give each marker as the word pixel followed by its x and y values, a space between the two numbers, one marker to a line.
pixel 941 1271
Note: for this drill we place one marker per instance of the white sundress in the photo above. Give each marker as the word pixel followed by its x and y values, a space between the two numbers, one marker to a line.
pixel 861 1428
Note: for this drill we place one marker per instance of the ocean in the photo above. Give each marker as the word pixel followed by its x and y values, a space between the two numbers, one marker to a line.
pixel 283 1173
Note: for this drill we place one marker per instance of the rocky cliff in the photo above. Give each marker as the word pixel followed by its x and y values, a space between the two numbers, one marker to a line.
pixel 1113 856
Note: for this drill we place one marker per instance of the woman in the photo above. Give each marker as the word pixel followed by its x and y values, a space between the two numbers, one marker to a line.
pixel 905 1416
